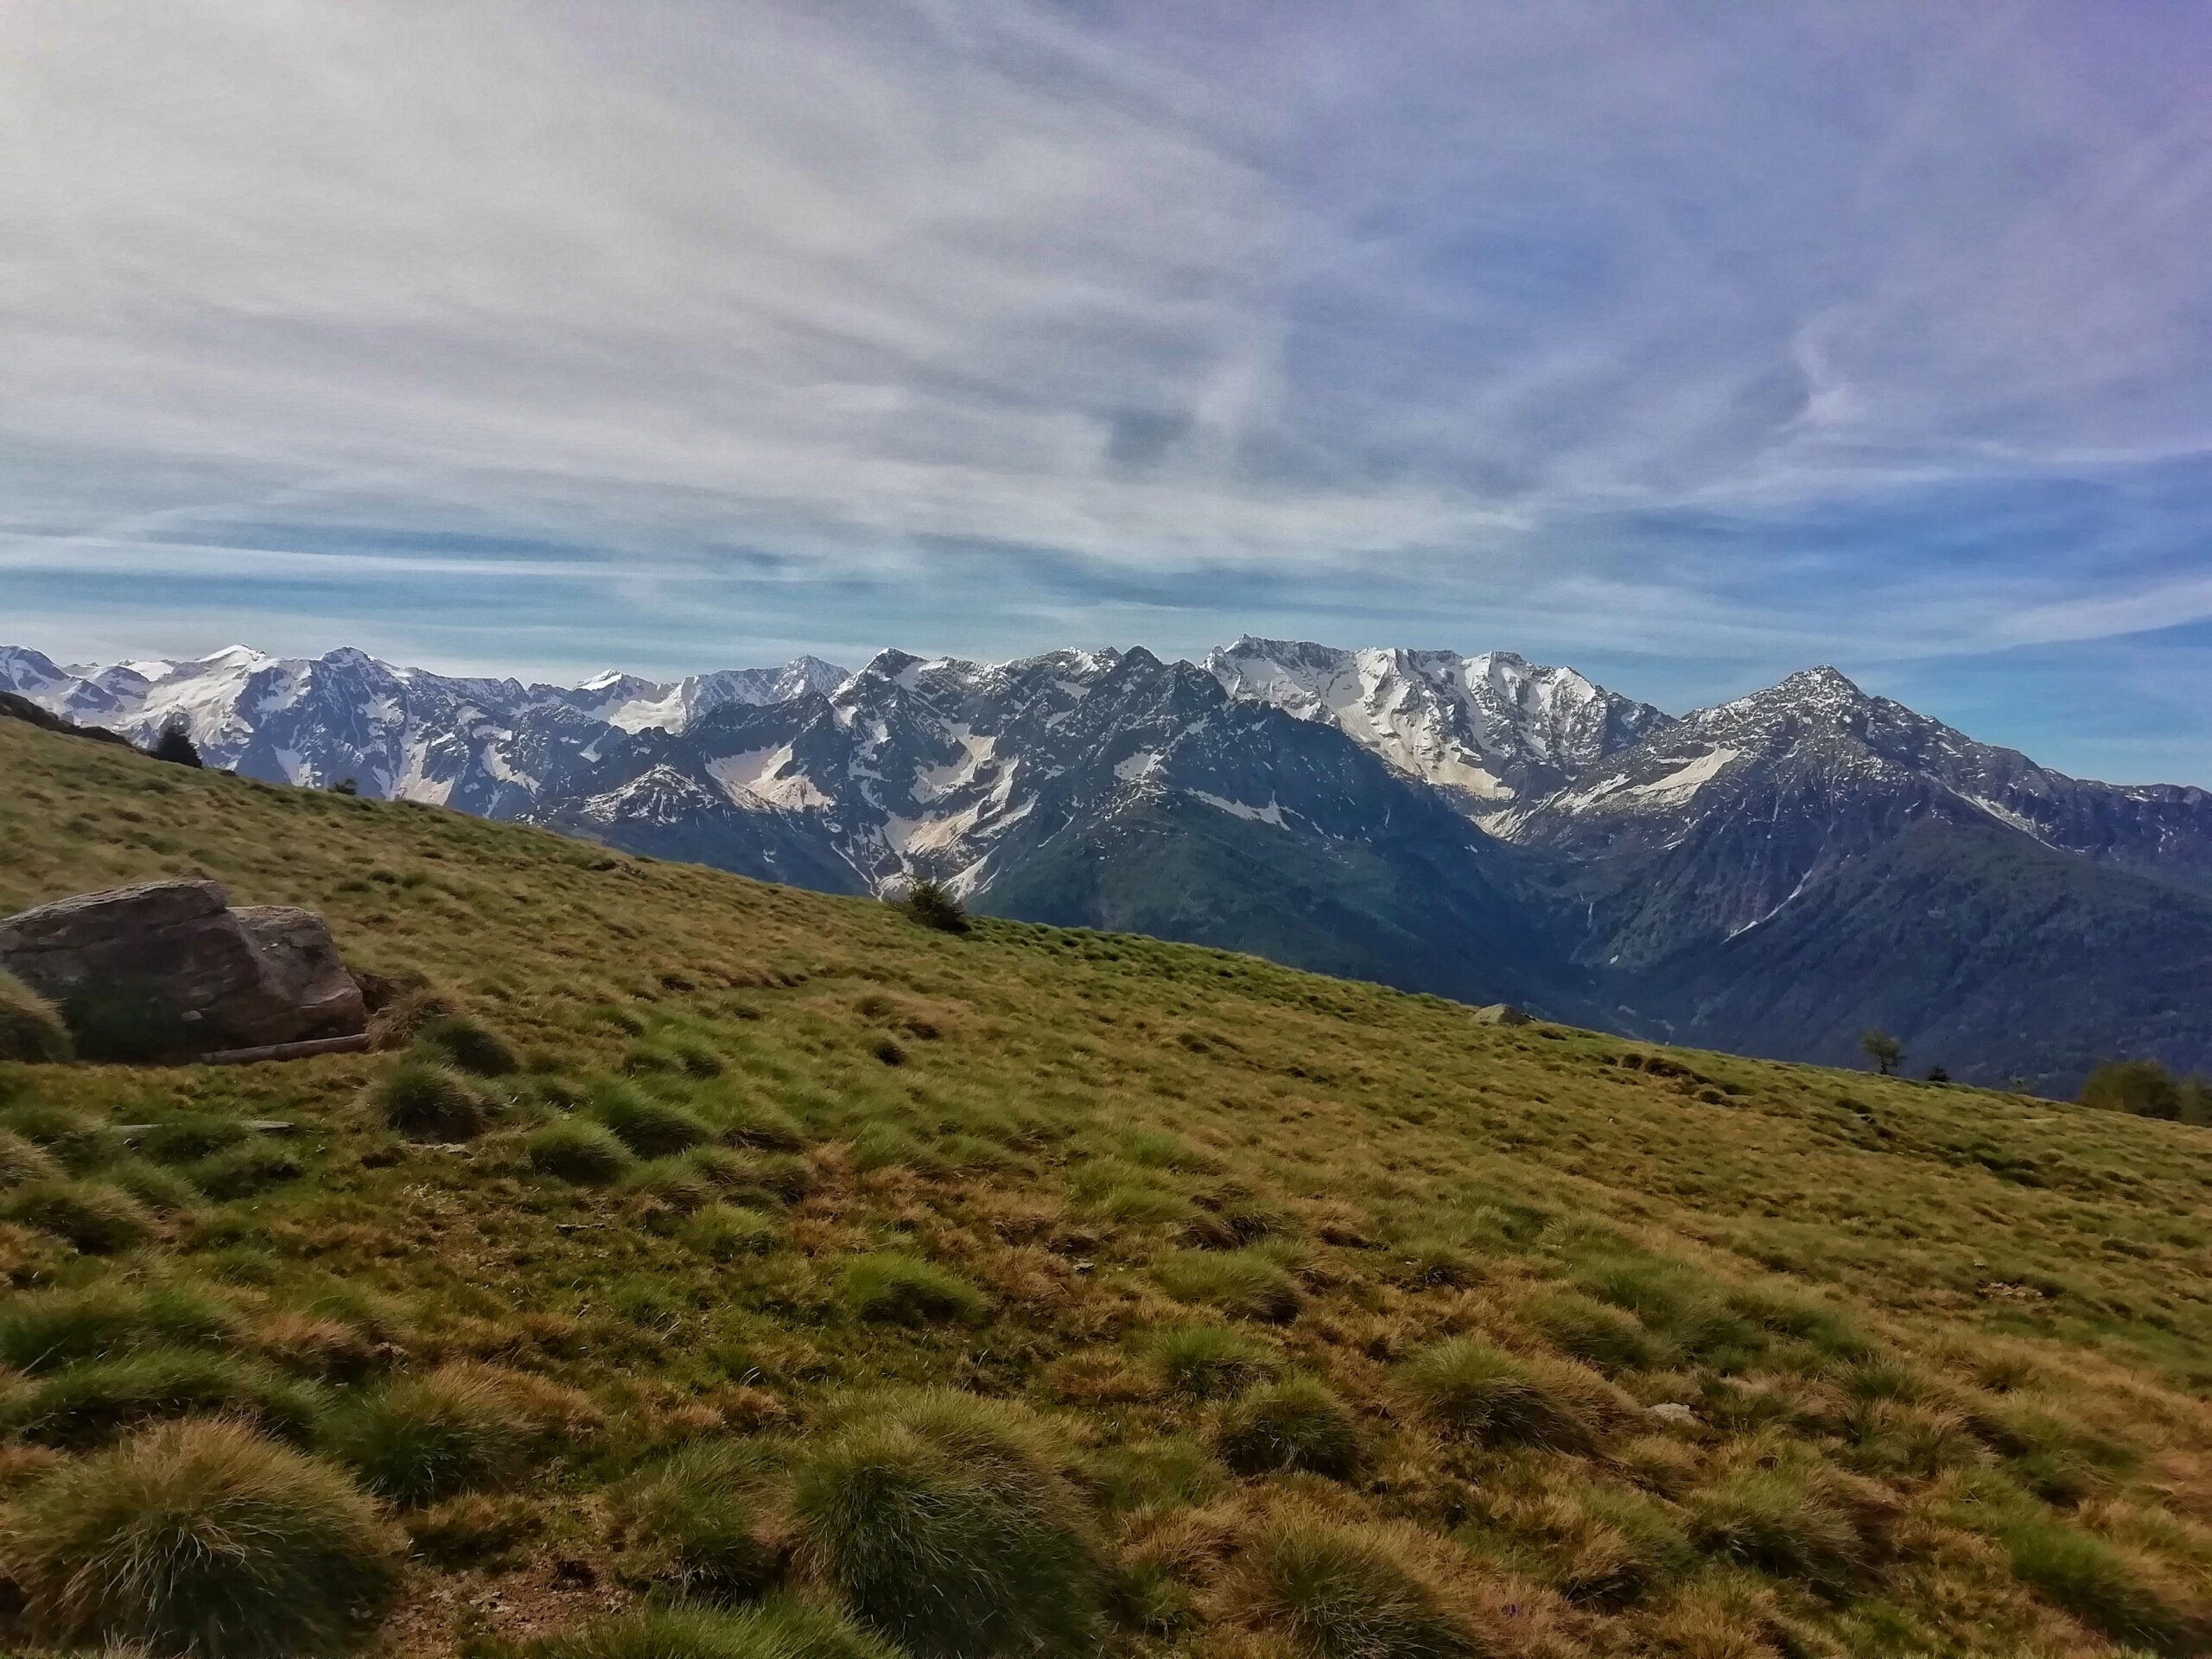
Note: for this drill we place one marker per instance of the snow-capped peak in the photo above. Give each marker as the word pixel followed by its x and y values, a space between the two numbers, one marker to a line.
pixel 1490 730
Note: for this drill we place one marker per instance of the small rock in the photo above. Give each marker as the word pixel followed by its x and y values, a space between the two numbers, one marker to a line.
pixel 1501 1014
pixel 1671 1411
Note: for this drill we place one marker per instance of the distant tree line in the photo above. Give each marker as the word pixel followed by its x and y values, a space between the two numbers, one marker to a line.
pixel 2148 1089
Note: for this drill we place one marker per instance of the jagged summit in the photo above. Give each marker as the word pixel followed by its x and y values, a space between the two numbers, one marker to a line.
pixel 1494 730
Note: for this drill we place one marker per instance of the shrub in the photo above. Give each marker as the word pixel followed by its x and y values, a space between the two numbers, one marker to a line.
pixel 23 1162
pixel 175 746
pixel 418 1438
pixel 1784 1519
pixel 469 1046
pixel 1469 1387
pixel 97 1219
pixel 2142 1087
pixel 200 1539
pixel 242 1171
pixel 432 1102
pixel 907 1290
pixel 30 1027
pixel 43 1329
pixel 781 1628
pixel 1296 1424
pixel 577 1150
pixel 85 1403
pixel 2096 1583
pixel 1204 1361
pixel 946 1524
pixel 1349 1592
pixel 650 1127
pixel 1238 1281
pixel 931 903
pixel 79 1142
pixel 700 1524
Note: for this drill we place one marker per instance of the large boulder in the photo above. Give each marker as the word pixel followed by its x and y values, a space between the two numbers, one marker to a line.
pixel 168 970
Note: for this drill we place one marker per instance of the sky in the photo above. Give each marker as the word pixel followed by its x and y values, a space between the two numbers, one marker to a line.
pixel 1689 344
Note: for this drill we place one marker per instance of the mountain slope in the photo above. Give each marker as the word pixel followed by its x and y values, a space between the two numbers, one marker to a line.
pixel 1105 789
pixel 1942 1354
pixel 1781 872
pixel 1476 826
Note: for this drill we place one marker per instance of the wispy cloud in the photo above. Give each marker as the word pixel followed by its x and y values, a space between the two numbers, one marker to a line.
pixel 1732 336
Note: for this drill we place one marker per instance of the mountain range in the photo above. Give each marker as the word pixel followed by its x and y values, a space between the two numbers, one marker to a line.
pixel 1772 876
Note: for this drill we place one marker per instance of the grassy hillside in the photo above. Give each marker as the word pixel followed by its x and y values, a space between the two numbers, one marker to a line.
pixel 823 1281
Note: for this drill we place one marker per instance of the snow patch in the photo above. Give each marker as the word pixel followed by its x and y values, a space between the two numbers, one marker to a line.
pixel 755 779
pixel 1270 814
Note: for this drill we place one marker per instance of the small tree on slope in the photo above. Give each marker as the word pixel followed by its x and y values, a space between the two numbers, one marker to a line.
pixel 1881 1048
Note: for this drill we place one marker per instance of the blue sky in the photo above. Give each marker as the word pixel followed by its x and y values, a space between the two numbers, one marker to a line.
pixel 1689 344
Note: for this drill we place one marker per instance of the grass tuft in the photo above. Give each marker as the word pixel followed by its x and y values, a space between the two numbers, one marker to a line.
pixel 1471 1389
pixel 200 1539
pixel 469 1046
pixel 425 1102
pixel 94 1217
pixel 907 1290
pixel 91 1401
pixel 419 1439
pixel 23 1162
pixel 947 1523
pixel 1206 1362
pixel 1295 1425
pixel 2097 1583
pixel 1784 1518
pixel 703 1524
pixel 1243 1283
pixel 1338 1591
pixel 578 1151
pixel 650 1127
pixel 45 1329
pixel 30 1027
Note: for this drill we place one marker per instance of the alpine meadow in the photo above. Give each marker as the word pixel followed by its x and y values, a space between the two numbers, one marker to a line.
pixel 705 1268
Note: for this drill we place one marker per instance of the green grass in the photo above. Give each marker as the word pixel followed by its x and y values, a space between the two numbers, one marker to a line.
pixel 1115 1190
pixel 785 1628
